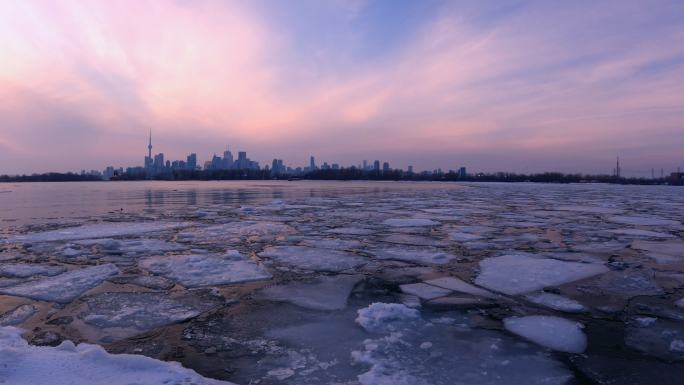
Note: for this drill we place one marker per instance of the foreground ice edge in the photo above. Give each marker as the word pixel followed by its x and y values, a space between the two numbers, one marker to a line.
pixel 85 364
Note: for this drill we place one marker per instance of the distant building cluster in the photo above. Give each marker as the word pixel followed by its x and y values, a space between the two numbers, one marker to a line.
pixel 157 165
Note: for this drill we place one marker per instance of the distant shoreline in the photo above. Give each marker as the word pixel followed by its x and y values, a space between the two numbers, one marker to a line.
pixel 330 175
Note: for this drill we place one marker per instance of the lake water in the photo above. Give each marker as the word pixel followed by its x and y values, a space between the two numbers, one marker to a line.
pixel 345 282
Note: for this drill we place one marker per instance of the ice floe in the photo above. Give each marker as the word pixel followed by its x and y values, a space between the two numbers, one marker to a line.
pixel 98 230
pixel 24 270
pixel 65 287
pixel 409 222
pixel 144 310
pixel 17 315
pixel 206 269
pixel 308 258
pixel 85 364
pixel 556 302
pixel 324 293
pixel 659 338
pixel 131 246
pixel 643 221
pixel 259 229
pixel 418 255
pixel 455 284
pixel 516 274
pixel 424 291
pixel 552 332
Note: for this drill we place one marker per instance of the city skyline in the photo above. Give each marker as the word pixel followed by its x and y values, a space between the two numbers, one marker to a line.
pixel 521 86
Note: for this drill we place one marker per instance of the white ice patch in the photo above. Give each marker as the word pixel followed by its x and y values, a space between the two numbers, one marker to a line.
pixel 206 269
pixel 384 317
pixel 351 231
pixel 422 255
pixel 65 287
pixel 516 274
pixel 640 233
pixel 308 258
pixel 556 302
pixel 85 364
pixel 330 243
pixel 424 291
pixel 642 221
pixel 464 237
pixel 132 246
pixel 552 332
pixel 267 230
pixel 409 222
pixel 324 293
pixel 455 284
pixel 99 230
pixel 24 270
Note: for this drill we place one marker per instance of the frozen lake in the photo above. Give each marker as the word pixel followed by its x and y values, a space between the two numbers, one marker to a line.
pixel 309 282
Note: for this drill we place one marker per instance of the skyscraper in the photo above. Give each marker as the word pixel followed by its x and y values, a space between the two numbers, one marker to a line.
pixel 312 163
pixel 192 161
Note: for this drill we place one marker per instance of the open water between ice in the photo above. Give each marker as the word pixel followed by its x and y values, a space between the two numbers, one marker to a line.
pixel 341 283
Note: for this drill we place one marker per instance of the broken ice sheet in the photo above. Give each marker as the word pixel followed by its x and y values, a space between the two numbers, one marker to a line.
pixel 427 255
pixel 556 302
pixel 25 270
pixel 455 284
pixel 516 274
pixel 131 246
pixel 424 291
pixel 553 332
pixel 409 222
pixel 263 230
pixel 206 269
pixel 145 310
pixel 308 258
pixel 17 315
pixel 323 293
pixel 98 230
pixel 65 287
pixel 85 364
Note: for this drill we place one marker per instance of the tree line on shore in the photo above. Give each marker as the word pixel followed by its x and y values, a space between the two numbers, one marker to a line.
pixel 351 173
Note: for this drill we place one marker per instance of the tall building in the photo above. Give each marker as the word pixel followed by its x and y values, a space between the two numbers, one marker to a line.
pixel 192 161
pixel 410 169
pixel 312 163
pixel 228 159
pixel 159 162
pixel 365 164
pixel 376 165
pixel 462 172
pixel 148 159
pixel 385 167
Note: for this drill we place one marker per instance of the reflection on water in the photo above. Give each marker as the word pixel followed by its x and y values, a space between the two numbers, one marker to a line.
pixel 29 203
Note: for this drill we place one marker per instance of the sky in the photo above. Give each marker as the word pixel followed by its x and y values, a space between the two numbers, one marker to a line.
pixel 522 86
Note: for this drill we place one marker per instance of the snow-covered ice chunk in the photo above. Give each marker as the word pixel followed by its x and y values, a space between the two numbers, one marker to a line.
pixel 309 258
pixel 17 315
pixel 351 231
pixel 424 291
pixel 422 255
pixel 146 310
pixel 455 284
pixel 85 364
pixel 384 317
pixel 642 221
pixel 464 237
pixel 516 274
pixel 324 293
pixel 409 222
pixel 24 270
pixel 206 269
pixel 556 302
pixel 261 229
pixel 65 287
pixel 98 230
pixel 552 332
pixel 332 243
pixel 640 233
pixel 132 246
